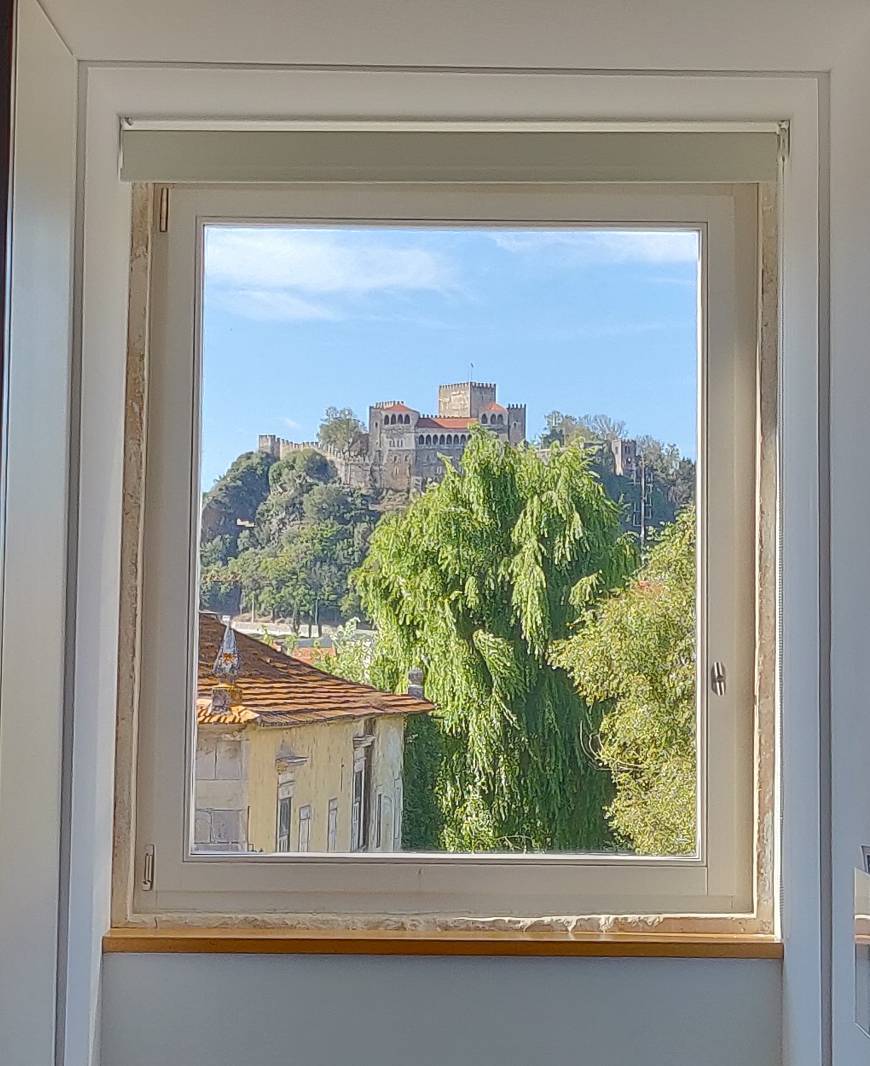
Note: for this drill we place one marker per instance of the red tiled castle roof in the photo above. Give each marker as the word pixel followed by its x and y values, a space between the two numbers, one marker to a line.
pixel 446 423
pixel 403 407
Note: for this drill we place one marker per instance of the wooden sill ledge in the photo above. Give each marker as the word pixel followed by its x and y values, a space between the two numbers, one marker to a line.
pixel 366 942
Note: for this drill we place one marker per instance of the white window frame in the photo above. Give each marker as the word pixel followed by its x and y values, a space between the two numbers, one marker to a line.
pixel 719 879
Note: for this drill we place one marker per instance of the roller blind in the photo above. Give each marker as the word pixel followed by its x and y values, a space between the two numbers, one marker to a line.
pixel 257 155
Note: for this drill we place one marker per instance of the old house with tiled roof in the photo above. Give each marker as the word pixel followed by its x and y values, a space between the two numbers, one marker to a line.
pixel 404 448
pixel 290 758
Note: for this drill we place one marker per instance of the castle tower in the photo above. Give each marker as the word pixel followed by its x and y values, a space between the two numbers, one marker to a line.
pixel 624 457
pixel 392 444
pixel 516 422
pixel 465 399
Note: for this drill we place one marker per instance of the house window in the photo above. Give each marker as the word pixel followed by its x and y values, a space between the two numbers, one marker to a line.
pixel 305 828
pixel 362 773
pixel 332 826
pixel 379 820
pixel 397 815
pixel 488 579
pixel 282 832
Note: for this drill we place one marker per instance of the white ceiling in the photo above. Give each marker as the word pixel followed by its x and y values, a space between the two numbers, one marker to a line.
pixel 602 34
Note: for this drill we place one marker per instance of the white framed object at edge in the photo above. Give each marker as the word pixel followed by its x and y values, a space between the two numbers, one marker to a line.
pixel 719 878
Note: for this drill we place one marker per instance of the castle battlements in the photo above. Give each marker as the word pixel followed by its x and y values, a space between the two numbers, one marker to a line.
pixel 472 384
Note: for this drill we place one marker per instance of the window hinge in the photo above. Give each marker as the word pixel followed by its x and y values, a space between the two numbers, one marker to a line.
pixel 148 869
pixel 717 678
pixel 163 210
pixel 784 140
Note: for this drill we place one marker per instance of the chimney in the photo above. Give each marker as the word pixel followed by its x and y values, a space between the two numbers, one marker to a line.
pixel 415 682
pixel 225 692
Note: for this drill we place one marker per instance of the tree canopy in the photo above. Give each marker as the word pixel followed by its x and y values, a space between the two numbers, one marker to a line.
pixel 473 582
pixel 294 560
pixel 341 429
pixel 235 496
pixel 635 653
pixel 564 429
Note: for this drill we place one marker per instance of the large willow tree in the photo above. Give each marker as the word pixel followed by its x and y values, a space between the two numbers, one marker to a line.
pixel 473 582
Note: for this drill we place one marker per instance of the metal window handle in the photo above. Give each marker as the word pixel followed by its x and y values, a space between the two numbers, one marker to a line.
pixel 717 678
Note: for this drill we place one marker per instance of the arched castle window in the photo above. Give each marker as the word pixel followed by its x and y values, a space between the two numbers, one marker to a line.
pixel 420 439
pixel 407 420
pixel 449 438
pixel 428 438
pixel 441 439
pixel 501 420
pixel 483 419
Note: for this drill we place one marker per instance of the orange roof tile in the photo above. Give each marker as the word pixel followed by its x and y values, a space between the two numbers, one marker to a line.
pixel 398 406
pixel 278 690
pixel 310 655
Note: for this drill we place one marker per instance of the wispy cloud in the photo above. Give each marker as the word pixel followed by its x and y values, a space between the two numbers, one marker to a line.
pixel 605 246
pixel 291 423
pixel 272 305
pixel 289 274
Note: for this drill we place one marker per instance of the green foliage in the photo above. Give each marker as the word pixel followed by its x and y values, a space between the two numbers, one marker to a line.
pixel 422 818
pixel 635 653
pixel 294 558
pixel 565 429
pixel 341 429
pixel 236 496
pixel 669 480
pixel 672 471
pixel 219 590
pixel 473 582
pixel 353 654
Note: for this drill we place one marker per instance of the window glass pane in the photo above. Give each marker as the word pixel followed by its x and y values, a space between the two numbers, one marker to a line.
pixel 447 574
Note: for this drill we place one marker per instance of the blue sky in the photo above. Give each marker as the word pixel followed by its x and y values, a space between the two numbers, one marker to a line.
pixel 582 321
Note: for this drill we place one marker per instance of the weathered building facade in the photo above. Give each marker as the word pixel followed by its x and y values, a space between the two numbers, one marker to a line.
pixel 290 758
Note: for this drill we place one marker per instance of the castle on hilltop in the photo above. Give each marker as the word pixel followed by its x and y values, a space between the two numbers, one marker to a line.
pixel 402 448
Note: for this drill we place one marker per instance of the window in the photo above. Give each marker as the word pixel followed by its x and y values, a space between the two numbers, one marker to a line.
pixel 304 828
pixel 696 246
pixel 362 772
pixel 332 826
pixel 379 821
pixel 282 831
pixel 397 817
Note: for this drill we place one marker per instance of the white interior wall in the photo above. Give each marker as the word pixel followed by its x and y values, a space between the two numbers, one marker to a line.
pixel 34 568
pixel 741 35
pixel 321 1011
pixel 850 518
pixel 45 136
